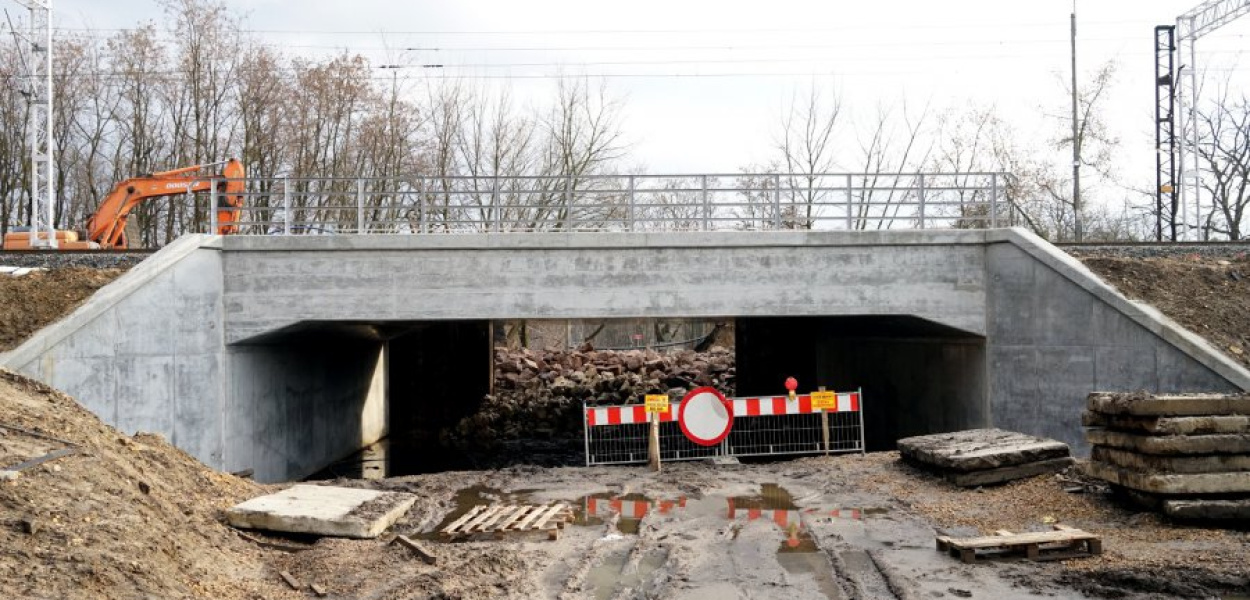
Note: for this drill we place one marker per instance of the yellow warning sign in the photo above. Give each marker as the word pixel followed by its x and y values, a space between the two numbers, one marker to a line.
pixel 657 403
pixel 824 401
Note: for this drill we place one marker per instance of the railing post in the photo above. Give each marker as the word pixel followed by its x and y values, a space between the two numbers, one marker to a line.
pixel 494 202
pixel 286 206
pixel 212 206
pixel 993 200
pixel 706 208
pixel 630 222
pixel 850 204
pixel 422 219
pixel 360 206
pixel 921 203
pixel 776 201
pixel 568 199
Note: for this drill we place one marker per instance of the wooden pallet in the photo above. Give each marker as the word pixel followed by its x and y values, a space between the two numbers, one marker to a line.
pixel 499 520
pixel 1062 543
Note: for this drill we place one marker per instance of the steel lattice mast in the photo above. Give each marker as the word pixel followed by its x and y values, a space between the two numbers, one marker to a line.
pixel 1199 21
pixel 39 95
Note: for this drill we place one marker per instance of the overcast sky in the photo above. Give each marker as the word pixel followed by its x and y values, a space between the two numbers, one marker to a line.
pixel 705 82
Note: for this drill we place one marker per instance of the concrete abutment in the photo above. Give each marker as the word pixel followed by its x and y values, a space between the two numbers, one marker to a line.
pixel 272 353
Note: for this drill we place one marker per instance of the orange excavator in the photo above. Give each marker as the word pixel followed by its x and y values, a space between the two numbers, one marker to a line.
pixel 106 229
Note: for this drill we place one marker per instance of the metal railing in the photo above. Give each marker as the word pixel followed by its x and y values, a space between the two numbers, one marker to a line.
pixel 741 201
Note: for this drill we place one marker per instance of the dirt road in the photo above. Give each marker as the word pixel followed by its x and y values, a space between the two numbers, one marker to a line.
pixel 841 528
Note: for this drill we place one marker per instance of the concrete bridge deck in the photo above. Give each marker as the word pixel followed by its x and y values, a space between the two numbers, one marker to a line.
pixel 281 354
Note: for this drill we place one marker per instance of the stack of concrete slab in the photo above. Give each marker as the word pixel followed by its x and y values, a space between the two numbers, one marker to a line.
pixel 979 457
pixel 1187 455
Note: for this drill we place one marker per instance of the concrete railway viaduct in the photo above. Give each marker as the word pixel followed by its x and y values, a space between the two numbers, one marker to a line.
pixel 282 354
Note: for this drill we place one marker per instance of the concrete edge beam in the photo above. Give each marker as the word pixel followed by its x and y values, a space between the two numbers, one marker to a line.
pixel 604 240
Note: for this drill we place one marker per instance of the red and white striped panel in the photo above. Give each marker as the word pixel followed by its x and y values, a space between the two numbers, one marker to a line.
pixel 783 405
pixel 624 415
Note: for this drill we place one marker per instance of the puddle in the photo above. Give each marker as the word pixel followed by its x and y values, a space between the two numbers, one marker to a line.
pixel 465 499
pixel 615 574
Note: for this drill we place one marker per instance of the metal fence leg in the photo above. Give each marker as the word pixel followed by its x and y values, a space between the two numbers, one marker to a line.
pixel 863 446
pixel 586 432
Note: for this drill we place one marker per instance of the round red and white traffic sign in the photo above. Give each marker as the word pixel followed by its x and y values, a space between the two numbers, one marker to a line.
pixel 705 416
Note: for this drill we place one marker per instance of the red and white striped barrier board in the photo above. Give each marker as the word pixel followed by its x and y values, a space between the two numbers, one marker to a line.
pixel 783 405
pixel 743 407
pixel 783 518
pixel 624 415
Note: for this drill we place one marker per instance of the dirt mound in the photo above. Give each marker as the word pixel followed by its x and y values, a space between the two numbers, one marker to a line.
pixel 33 301
pixel 1207 295
pixel 120 517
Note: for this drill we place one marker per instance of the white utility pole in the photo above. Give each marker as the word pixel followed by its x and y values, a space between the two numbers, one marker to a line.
pixel 39 127
pixel 1199 21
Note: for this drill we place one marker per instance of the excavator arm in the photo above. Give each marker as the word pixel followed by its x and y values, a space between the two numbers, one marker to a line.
pixel 107 227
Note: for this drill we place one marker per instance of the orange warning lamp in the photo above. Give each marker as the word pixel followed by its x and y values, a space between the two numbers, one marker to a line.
pixel 792 384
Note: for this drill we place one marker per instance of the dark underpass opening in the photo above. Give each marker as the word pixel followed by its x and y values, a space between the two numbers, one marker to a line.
pixel 464 395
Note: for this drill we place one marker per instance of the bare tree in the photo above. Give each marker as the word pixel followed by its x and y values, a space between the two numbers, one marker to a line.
pixel 1224 152
pixel 806 150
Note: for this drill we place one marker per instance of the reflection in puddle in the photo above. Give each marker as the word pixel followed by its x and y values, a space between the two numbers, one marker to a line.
pixel 798 554
pixel 631 507
pixel 615 574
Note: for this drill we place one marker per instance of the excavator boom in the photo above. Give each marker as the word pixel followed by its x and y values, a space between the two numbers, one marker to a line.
pixel 107 227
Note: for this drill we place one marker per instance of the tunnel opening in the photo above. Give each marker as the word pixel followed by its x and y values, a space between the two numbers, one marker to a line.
pixel 916 376
pixel 466 395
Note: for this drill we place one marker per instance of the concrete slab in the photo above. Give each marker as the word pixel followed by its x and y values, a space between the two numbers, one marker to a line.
pixel 980 449
pixel 1005 474
pixel 1204 425
pixel 1208 509
pixel 1169 483
pixel 1171 444
pixel 1183 405
pixel 1215 463
pixel 322 510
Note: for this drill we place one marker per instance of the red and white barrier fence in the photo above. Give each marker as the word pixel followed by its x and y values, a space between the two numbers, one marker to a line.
pixel 705 424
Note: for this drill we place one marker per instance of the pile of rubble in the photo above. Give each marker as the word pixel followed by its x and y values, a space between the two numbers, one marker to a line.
pixel 977 457
pixel 540 394
pixel 1187 455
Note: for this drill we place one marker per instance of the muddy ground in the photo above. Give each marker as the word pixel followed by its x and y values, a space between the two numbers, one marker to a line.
pixel 839 527
pixel 132 517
